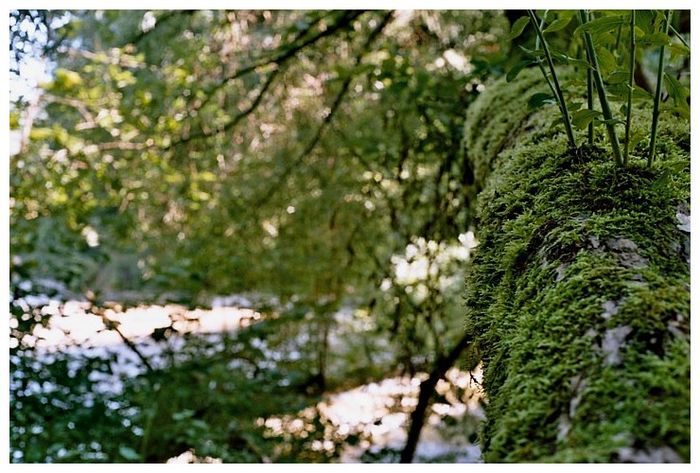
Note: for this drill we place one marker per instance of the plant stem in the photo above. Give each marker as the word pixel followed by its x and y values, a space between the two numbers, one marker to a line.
pixel 589 87
pixel 630 85
pixel 589 96
pixel 678 35
pixel 555 81
pixel 589 91
pixel 657 95
pixel 539 62
pixel 602 97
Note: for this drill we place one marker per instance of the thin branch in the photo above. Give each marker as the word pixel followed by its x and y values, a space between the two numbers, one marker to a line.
pixel 228 126
pixel 30 115
pixel 279 60
pixel 539 60
pixel 80 106
pixel 589 98
pixel 121 146
pixel 287 52
pixel 427 388
pixel 328 118
pixel 128 62
pixel 114 325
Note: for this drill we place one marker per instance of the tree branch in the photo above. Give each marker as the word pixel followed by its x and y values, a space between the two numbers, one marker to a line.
pixel 327 120
pixel 228 126
pixel 427 387
pixel 286 53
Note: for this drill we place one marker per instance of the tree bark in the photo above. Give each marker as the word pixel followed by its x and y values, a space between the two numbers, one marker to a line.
pixel 578 295
pixel 427 388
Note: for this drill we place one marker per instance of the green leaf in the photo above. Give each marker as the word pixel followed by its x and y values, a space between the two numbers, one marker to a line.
pixel 563 58
pixel 678 50
pixel 602 25
pixel 515 70
pixel 645 21
pixel 655 39
pixel 582 118
pixel 679 94
pixel 518 28
pixel 675 89
pixel 531 53
pixel 182 415
pixel 618 77
pixel 67 79
pixel 606 60
pixel 573 106
pixel 558 25
pixel 566 84
pixel 680 37
pixel 639 93
pixel 540 99
pixel 39 134
pixel 612 121
pixel 635 138
pixel 14 120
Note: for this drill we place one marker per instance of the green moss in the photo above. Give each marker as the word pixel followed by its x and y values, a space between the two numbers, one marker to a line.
pixel 578 294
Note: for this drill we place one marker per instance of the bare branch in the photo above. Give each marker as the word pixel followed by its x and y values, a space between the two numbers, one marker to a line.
pixel 114 325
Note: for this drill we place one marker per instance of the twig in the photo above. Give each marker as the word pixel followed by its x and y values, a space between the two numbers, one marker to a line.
pixel 129 62
pixel 29 116
pixel 114 325
pixel 79 106
pixel 228 126
pixel 539 60
pixel 286 53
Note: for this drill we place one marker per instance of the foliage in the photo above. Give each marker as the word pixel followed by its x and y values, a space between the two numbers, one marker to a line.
pixel 604 61
pixel 308 155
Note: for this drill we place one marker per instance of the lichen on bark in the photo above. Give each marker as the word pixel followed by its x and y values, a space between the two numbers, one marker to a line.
pixel 578 295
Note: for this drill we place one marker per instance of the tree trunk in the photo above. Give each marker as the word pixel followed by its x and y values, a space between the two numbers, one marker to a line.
pixel 427 388
pixel 578 294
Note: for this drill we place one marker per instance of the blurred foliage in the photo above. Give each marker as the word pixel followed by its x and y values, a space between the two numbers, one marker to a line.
pixel 186 154
pixel 315 156
pixel 143 145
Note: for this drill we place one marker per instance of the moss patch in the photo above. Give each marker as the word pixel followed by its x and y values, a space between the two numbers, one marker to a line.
pixel 579 292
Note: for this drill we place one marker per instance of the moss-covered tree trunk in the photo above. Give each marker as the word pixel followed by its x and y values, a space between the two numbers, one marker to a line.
pixel 578 295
